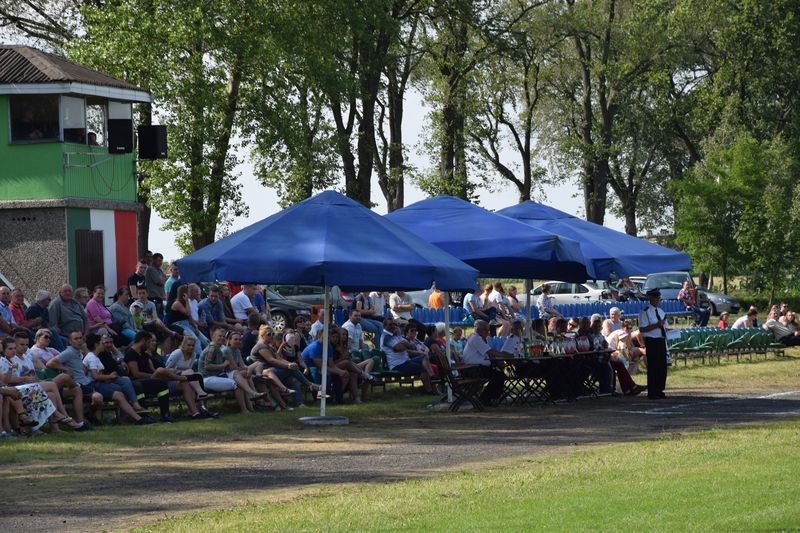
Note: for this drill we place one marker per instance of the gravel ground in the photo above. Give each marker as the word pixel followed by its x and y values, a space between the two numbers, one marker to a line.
pixel 139 486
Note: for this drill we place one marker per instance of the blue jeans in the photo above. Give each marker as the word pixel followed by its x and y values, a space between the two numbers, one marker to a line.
pixel 293 379
pixel 701 315
pixel 129 334
pixel 121 384
pixel 335 388
pixel 202 340
pixel 372 326
pixel 412 367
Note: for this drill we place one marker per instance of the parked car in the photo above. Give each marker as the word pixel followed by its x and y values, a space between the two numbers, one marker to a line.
pixel 283 310
pixel 721 302
pixel 572 293
pixel 638 281
pixel 314 295
pixel 670 284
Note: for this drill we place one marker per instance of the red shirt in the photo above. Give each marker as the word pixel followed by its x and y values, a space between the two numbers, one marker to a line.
pixel 18 312
pixel 722 324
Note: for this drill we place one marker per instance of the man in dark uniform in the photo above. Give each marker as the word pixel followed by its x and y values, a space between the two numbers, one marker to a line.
pixel 652 326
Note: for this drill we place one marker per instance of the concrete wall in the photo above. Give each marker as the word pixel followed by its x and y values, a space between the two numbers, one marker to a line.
pixel 33 253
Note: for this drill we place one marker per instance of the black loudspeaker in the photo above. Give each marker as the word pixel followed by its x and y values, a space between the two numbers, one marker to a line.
pixel 152 142
pixel 120 136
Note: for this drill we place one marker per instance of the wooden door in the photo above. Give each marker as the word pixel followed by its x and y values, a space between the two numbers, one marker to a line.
pixel 89 258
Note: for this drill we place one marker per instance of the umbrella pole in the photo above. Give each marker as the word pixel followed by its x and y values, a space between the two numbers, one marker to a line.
pixel 447 338
pixel 527 308
pixel 325 348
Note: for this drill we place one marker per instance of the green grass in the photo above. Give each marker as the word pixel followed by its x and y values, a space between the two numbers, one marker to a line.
pixel 771 373
pixel 230 426
pixel 395 403
pixel 740 479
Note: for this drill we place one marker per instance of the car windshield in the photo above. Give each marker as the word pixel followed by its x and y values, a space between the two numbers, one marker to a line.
pixel 272 295
pixel 665 281
pixel 599 285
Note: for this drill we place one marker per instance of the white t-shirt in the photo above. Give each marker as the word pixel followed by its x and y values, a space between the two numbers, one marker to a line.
pixel 26 362
pixel 240 304
pixel 740 322
pixel 395 300
pixel 193 305
pixel 316 327
pixel 513 345
pixel 5 364
pixel 92 362
pixel 496 297
pixel 178 362
pixel 43 354
pixel 378 302
pixel 613 326
pixel 393 358
pixel 355 334
pixel 476 352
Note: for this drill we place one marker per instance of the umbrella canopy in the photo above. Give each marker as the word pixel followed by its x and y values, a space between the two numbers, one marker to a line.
pixel 328 239
pixel 496 245
pixel 605 250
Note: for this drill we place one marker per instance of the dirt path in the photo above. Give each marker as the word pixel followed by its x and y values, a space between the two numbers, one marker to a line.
pixel 139 486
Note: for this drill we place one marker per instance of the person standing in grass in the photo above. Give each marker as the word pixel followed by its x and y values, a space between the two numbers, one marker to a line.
pixel 652 325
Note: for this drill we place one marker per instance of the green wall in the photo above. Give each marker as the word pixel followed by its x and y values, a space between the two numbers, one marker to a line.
pixel 77 218
pixel 37 171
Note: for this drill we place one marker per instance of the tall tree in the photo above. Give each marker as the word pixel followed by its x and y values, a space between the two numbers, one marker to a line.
pixel 460 35
pixel 608 47
pixel 508 95
pixel 341 48
pixel 402 60
pixel 289 133
pixel 196 74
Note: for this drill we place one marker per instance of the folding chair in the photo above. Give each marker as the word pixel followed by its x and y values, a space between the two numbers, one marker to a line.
pixel 464 389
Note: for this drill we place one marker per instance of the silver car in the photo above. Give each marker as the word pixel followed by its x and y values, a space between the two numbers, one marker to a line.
pixel 718 303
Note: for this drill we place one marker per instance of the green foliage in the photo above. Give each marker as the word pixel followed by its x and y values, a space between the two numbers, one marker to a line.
pixel 195 72
pixel 770 235
pixel 735 210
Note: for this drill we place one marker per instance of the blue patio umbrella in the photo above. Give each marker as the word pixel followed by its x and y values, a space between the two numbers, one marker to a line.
pixel 327 240
pixel 605 250
pixel 496 245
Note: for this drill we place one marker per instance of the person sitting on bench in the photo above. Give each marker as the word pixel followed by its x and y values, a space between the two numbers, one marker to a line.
pixel 396 348
pixel 783 334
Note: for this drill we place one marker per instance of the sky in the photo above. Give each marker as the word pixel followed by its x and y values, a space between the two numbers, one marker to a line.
pixel 263 201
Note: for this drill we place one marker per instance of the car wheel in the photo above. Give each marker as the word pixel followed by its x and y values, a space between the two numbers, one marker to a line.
pixel 713 308
pixel 279 321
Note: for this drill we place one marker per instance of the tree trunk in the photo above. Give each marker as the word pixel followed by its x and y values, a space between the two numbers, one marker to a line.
pixel 629 208
pixel 395 188
pixel 204 228
pixel 343 147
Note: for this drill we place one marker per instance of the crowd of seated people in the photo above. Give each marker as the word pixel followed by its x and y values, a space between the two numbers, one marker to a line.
pixel 160 340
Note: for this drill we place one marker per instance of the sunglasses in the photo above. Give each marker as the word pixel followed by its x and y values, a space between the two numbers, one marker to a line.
pixel 45 336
